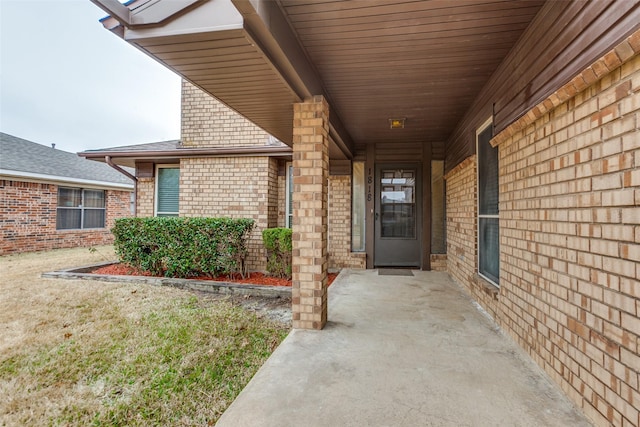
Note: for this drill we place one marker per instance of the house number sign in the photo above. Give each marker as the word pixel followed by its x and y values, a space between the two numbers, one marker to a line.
pixel 369 184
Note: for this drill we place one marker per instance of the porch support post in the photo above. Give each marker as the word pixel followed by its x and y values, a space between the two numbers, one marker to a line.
pixel 310 176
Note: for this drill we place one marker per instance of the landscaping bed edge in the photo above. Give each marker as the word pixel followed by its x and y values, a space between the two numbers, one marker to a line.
pixel 83 273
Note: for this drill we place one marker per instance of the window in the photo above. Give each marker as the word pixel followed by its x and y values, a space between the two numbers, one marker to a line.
pixel 358 230
pixel 79 209
pixel 438 206
pixel 488 215
pixel 167 190
pixel 289 197
pixel 398 203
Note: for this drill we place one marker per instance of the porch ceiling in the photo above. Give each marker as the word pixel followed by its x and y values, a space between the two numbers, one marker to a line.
pixel 374 60
pixel 421 60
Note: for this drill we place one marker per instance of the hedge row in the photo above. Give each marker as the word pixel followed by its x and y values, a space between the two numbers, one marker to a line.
pixel 183 247
pixel 277 241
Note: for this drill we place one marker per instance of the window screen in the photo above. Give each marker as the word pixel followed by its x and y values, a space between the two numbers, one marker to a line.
pixel 487 175
pixel 168 192
pixel 488 215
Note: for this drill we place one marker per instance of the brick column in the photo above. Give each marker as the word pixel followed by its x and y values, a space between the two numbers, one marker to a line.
pixel 310 175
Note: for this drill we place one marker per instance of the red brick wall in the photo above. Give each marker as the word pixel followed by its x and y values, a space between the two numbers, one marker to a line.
pixel 28 219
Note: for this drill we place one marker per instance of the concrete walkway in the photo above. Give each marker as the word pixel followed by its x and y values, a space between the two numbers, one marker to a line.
pixel 400 351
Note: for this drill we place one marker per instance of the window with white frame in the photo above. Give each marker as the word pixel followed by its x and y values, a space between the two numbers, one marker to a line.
pixel 167 190
pixel 80 208
pixel 289 196
pixel 488 214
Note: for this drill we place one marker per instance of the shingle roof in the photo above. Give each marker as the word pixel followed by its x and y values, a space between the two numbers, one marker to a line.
pixel 152 146
pixel 19 155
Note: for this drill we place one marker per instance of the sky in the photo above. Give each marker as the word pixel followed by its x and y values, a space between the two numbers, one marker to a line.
pixel 64 79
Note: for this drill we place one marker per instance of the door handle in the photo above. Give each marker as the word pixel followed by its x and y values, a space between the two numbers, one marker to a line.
pixel 376 216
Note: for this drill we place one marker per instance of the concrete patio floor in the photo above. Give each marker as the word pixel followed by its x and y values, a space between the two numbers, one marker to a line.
pixel 400 351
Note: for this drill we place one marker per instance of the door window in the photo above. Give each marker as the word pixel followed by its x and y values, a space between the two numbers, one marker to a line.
pixel 397 203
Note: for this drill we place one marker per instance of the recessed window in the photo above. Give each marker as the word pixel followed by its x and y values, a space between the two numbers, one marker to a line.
pixel 358 230
pixel 167 191
pixel 488 214
pixel 79 209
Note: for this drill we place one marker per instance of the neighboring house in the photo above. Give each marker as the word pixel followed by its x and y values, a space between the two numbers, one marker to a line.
pixel 529 111
pixel 53 199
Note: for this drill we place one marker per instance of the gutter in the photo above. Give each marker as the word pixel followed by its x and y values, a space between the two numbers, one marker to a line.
pixel 44 178
pixel 108 161
pixel 201 152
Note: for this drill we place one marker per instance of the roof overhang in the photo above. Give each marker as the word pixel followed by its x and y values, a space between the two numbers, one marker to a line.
pixel 242 51
pixel 61 180
pixel 130 157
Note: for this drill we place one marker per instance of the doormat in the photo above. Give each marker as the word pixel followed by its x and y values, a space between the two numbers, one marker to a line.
pixel 394 272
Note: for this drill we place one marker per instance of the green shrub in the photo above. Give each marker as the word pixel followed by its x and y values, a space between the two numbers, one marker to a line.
pixel 277 241
pixel 183 247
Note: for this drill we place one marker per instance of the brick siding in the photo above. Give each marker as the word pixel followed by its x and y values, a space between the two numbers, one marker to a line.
pixel 340 255
pixel 233 187
pixel 206 122
pixel 438 262
pixel 28 219
pixel 569 238
pixel 311 171
pixel 145 198
pixel 462 221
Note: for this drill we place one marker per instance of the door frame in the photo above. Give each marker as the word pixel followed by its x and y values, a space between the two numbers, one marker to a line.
pixel 370 162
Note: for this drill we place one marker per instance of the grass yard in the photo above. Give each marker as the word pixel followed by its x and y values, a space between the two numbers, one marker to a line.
pixel 92 353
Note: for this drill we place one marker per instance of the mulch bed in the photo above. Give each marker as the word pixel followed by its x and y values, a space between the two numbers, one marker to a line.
pixel 251 279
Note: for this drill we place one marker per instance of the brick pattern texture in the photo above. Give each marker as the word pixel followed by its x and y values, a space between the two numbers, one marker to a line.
pixel 462 232
pixel 569 239
pixel 439 262
pixel 145 197
pixel 311 170
pixel 339 246
pixel 282 203
pixel 206 122
pixel 28 219
pixel 233 187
